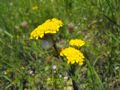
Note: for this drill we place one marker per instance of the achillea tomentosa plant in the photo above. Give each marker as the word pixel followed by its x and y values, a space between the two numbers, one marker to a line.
pixel 72 54
pixel 50 26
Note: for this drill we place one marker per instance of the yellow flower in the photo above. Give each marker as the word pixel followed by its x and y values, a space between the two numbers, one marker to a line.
pixel 76 42
pixel 73 55
pixel 51 26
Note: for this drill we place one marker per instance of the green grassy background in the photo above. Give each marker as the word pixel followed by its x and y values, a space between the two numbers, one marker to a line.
pixel 95 21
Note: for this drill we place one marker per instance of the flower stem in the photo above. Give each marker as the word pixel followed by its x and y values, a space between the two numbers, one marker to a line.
pixel 72 74
pixel 55 47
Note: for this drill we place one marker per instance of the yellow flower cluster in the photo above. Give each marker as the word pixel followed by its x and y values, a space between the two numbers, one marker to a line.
pixel 51 26
pixel 73 55
pixel 76 42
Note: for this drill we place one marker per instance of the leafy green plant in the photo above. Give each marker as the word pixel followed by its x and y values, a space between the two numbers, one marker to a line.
pixel 94 21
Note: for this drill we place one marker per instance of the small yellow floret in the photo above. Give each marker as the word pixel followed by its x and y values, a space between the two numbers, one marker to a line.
pixel 51 26
pixel 73 55
pixel 76 42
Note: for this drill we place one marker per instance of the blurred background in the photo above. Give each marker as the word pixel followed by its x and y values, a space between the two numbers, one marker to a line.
pixel 29 65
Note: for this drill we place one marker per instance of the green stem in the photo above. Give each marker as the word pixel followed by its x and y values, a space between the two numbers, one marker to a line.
pixel 55 47
pixel 72 74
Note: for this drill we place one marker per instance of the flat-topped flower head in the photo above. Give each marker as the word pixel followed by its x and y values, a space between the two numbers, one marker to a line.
pixel 51 26
pixel 76 42
pixel 73 55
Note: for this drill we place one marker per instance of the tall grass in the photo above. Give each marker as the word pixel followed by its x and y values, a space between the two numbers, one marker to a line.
pixel 95 21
